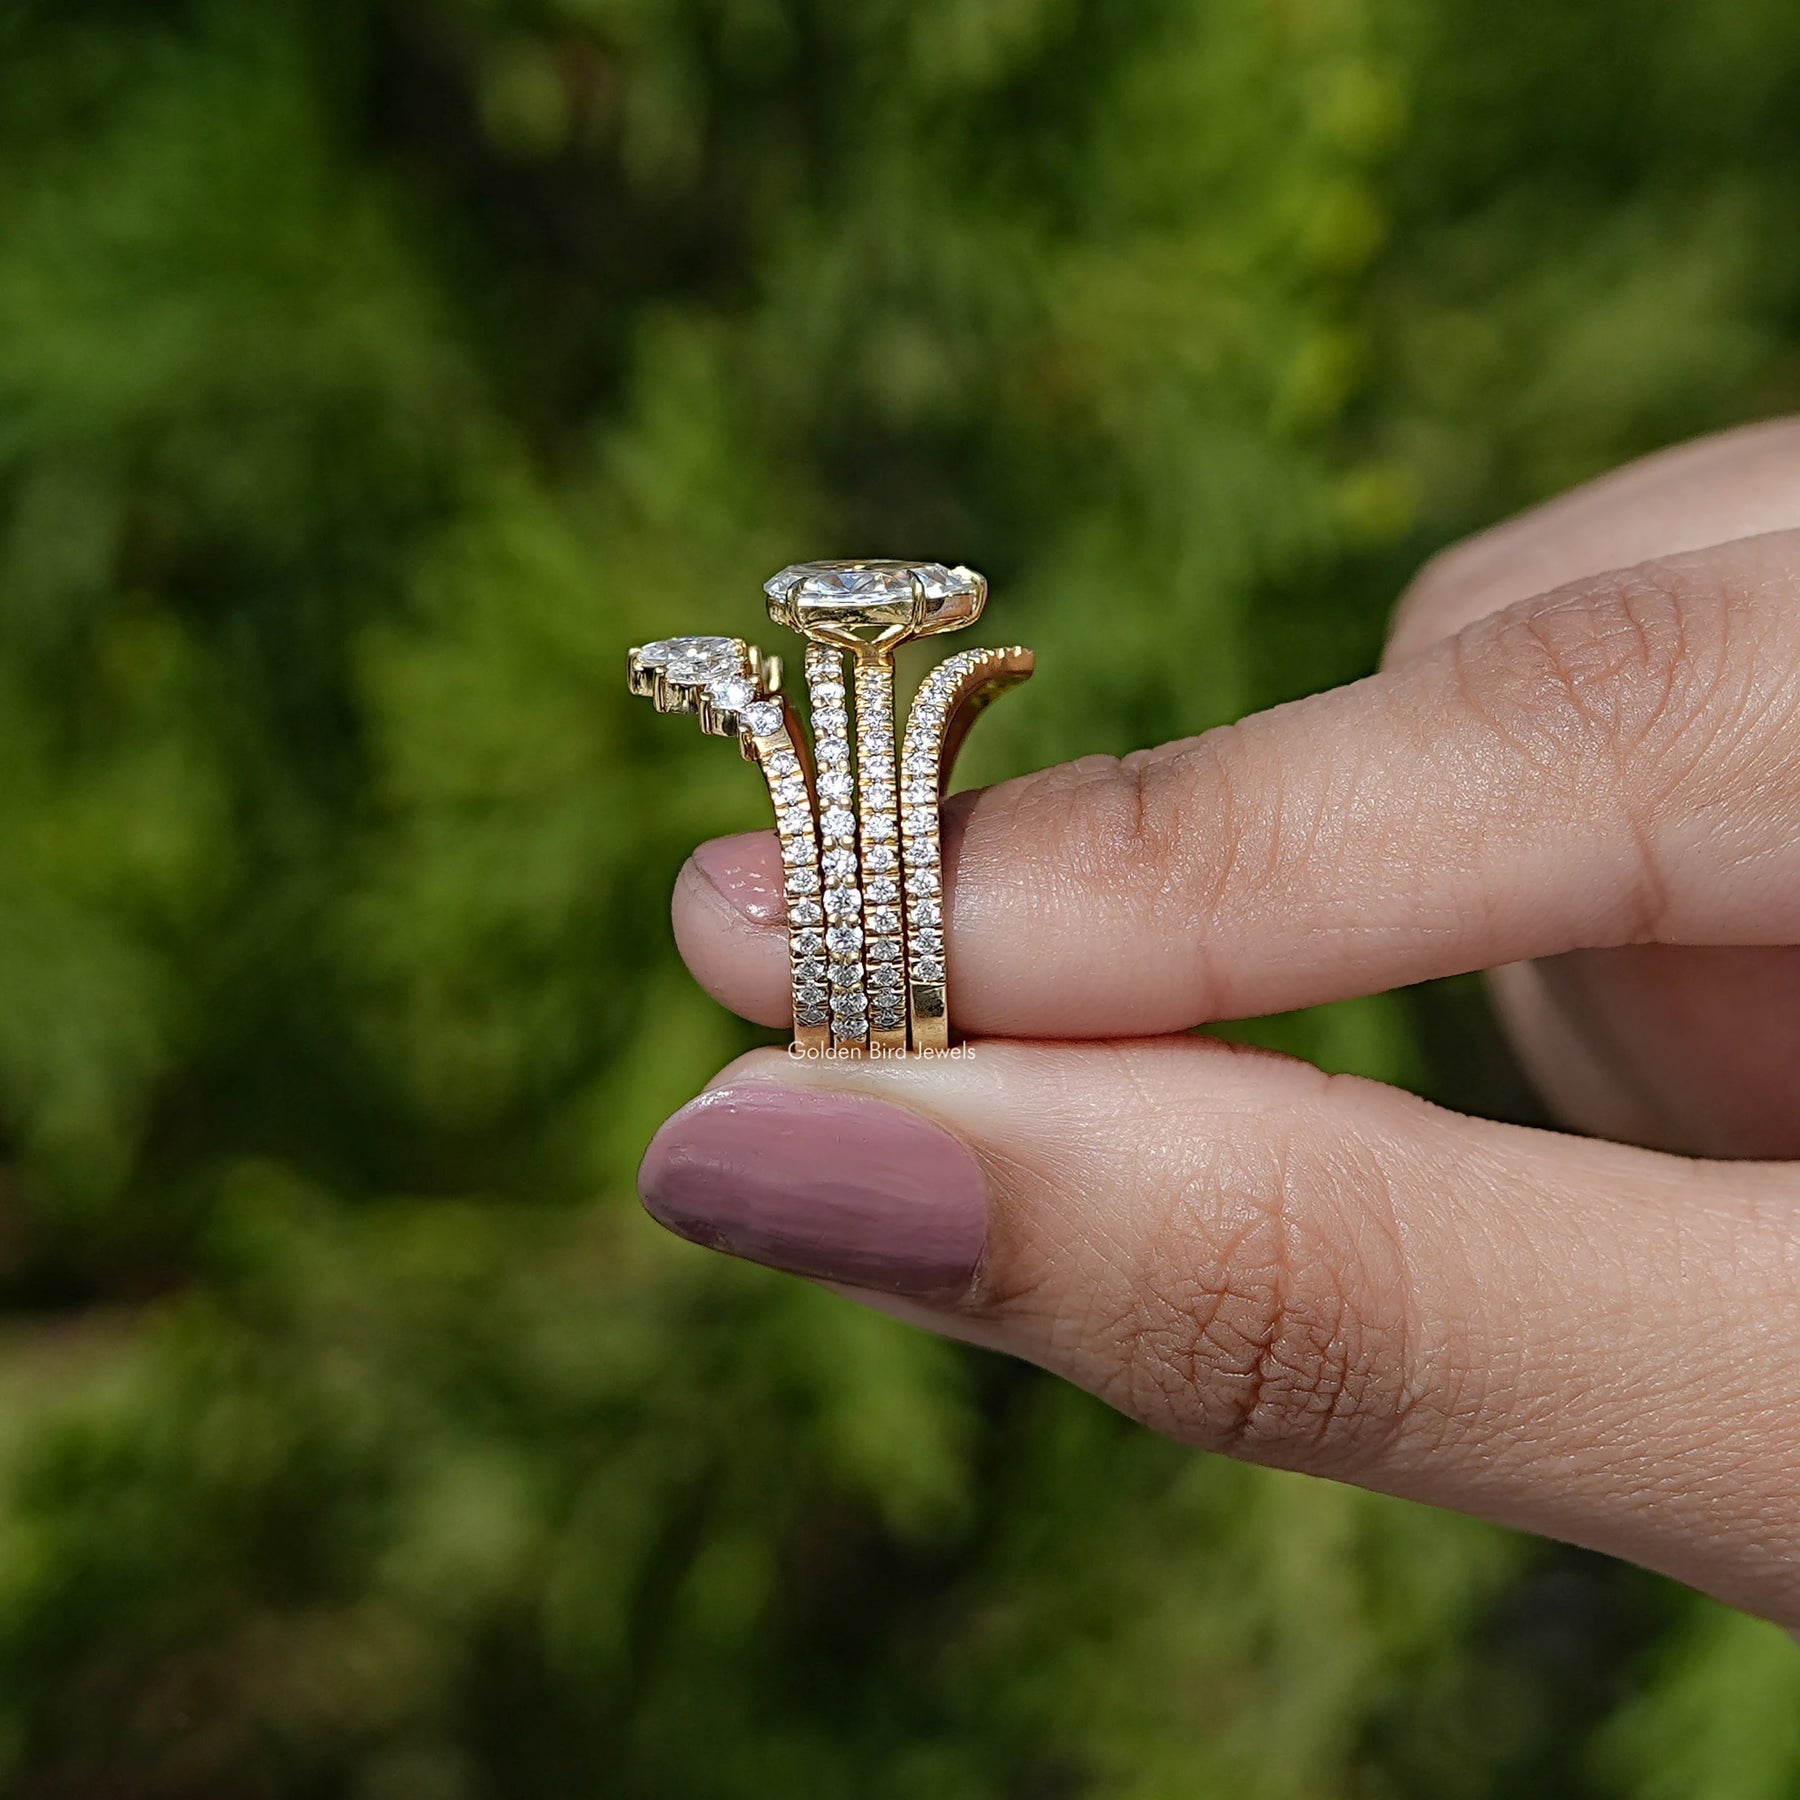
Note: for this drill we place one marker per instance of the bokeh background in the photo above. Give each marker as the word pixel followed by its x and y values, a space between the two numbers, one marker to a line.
pixel 371 373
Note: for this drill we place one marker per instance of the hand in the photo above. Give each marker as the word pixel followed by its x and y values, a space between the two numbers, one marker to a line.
pixel 1589 780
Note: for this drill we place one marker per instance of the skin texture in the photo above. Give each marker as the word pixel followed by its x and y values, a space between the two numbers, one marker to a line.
pixel 1579 767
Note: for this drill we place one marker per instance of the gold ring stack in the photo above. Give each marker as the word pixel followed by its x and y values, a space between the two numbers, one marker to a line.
pixel 860 841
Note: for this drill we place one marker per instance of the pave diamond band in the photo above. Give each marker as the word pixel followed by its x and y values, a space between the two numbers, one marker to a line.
pixel 942 712
pixel 860 840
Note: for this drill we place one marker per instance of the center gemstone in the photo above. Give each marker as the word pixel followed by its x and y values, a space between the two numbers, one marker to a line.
pixel 857 587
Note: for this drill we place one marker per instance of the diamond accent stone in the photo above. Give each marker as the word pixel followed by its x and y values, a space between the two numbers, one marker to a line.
pixel 844 940
pixel 927 913
pixel 806 943
pixel 810 968
pixel 885 950
pixel 835 785
pixel 928 968
pixel 884 920
pixel 847 974
pixel 763 719
pixel 833 722
pixel 784 765
pixel 881 857
pixel 690 660
pixel 843 903
pixel 840 865
pixel 802 881
pixel 731 695
pixel 923 881
pixel 884 890
pixel 810 1015
pixel 805 912
pixel 838 822
pixel 928 942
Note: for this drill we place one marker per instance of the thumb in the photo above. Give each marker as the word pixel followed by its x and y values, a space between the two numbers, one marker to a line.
pixel 1586 1340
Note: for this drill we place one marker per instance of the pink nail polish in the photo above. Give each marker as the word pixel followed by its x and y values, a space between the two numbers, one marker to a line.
pixel 746 869
pixel 840 1187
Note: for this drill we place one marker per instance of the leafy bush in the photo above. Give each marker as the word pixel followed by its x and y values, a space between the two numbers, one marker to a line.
pixel 371 373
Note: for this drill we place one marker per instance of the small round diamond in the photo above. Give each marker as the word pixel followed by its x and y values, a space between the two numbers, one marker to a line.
pixel 810 968
pixel 884 920
pixel 844 940
pixel 806 943
pixel 880 857
pixel 812 993
pixel 831 721
pixel 928 968
pixel 885 950
pixel 802 881
pixel 835 786
pixel 810 1015
pixel 847 973
pixel 884 890
pixel 928 943
pixel 922 881
pixel 784 765
pixel 805 912
pixel 843 903
pixel 763 719
pixel 731 695
pixel 885 976
pixel 927 912
pixel 840 865
pixel 838 822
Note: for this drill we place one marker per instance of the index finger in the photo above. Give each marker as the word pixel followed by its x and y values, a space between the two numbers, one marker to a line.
pixel 1614 762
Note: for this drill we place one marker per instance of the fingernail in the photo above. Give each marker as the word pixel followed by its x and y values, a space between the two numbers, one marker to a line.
pixel 746 869
pixel 837 1186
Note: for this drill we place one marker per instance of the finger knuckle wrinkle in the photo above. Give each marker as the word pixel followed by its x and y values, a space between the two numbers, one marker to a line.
pixel 1118 824
pixel 1259 1328
pixel 1617 668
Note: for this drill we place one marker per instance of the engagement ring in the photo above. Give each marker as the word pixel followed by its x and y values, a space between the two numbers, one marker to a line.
pixel 860 844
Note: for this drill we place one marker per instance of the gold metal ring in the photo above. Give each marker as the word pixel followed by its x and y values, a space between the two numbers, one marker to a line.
pixel 860 840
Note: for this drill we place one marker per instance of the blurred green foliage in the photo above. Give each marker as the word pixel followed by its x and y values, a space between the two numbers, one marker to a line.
pixel 371 372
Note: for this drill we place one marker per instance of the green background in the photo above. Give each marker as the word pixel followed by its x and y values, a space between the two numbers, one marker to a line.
pixel 370 375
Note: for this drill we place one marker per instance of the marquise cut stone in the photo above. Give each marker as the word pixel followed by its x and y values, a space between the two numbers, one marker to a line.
pixel 689 660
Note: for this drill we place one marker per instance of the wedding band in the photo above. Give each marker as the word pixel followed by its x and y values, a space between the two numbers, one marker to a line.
pixel 860 839
pixel 732 686
pixel 942 712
